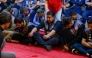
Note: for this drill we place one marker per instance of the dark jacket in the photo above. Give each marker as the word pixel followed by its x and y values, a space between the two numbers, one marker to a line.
pixel 70 38
pixel 1 39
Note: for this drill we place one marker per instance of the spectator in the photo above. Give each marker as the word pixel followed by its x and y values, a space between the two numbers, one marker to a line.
pixel 39 17
pixel 5 19
pixel 72 32
pixel 74 5
pixel 85 47
pixel 51 36
pixel 88 10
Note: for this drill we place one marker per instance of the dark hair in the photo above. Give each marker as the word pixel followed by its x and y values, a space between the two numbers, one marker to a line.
pixel 50 13
pixel 89 20
pixel 25 9
pixel 66 21
pixel 5 17
pixel 72 13
pixel 18 20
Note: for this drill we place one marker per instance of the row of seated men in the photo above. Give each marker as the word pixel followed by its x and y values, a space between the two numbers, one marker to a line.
pixel 69 33
pixel 65 36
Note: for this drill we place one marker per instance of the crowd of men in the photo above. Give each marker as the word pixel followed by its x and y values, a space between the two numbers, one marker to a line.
pixel 64 23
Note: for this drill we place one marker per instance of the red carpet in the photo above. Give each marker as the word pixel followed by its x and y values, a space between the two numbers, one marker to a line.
pixel 23 51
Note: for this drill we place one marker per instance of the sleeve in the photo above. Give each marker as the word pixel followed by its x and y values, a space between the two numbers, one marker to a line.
pixel 84 35
pixel 86 0
pixel 34 20
pixel 80 3
pixel 40 26
pixel 24 3
pixel 57 26
pixel 30 28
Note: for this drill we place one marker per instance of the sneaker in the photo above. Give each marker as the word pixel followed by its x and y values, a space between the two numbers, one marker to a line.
pixel 90 56
pixel 36 43
pixel 74 51
pixel 48 47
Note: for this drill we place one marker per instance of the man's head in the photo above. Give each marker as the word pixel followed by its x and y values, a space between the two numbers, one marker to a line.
pixel 25 11
pixel 40 12
pixel 10 9
pixel 5 19
pixel 19 22
pixel 50 16
pixel 73 15
pixel 67 22
pixel 90 23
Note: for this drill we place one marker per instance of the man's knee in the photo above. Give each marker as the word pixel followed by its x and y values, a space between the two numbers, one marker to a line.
pixel 7 55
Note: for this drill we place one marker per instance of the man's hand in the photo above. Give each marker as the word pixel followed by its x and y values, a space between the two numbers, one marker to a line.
pixel 25 30
pixel 18 1
pixel 90 43
pixel 30 35
pixel 38 3
pixel 65 47
pixel 46 37
pixel 64 6
pixel 3 0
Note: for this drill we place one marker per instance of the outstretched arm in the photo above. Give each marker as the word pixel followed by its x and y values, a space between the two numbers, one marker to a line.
pixel 84 43
pixel 3 0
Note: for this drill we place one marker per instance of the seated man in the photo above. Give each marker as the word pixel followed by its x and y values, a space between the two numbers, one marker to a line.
pixel 22 31
pixel 5 19
pixel 39 17
pixel 74 5
pixel 88 10
pixel 72 32
pixel 51 36
pixel 86 44
pixel 75 16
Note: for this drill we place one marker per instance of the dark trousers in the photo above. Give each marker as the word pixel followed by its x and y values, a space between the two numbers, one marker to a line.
pixel 22 39
pixel 51 41
pixel 82 49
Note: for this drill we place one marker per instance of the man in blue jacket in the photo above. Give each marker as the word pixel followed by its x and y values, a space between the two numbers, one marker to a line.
pixel 74 5
pixel 88 11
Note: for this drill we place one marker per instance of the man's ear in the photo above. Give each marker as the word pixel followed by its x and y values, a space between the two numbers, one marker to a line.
pixel 10 25
pixel 22 23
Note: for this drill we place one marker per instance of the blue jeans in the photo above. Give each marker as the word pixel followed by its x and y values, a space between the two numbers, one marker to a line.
pixel 82 49
pixel 51 41
pixel 86 14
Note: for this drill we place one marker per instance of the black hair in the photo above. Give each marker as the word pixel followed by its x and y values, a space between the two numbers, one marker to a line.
pixel 89 20
pixel 72 13
pixel 18 20
pixel 25 9
pixel 50 13
pixel 66 21
pixel 5 17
